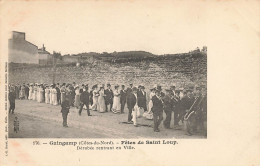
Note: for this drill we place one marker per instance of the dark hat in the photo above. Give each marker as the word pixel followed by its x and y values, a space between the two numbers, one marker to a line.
pixel 94 86
pixel 116 86
pixel 135 89
pixel 122 86
pixel 139 86
pixel 142 87
pixel 108 84
pixel 173 86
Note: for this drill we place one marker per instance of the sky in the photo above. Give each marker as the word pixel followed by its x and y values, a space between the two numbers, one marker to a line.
pixel 159 27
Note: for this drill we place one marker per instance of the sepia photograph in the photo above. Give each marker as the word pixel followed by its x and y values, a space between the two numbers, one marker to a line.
pixel 126 94
pixel 130 83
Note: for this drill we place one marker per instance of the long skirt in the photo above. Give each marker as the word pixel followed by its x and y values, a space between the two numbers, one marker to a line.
pixel 35 95
pixel 51 99
pixel 95 103
pixel 54 98
pixel 116 105
pixel 30 95
pixel 77 101
pixel 38 96
pixel 47 98
pixel 101 107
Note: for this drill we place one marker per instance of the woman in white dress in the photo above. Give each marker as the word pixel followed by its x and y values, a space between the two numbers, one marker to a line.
pixel 101 100
pixel 116 101
pixel 149 113
pixel 41 100
pixel 77 99
pixel 39 94
pixel 95 98
pixel 30 92
pixel 47 95
pixel 34 92
pixel 51 92
pixel 54 96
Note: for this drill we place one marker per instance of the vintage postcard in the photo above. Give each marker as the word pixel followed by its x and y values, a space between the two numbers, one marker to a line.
pixel 130 83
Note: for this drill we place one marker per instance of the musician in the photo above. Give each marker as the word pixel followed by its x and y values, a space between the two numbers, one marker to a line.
pixel 177 109
pixel 168 108
pixel 157 110
pixel 197 107
pixel 186 104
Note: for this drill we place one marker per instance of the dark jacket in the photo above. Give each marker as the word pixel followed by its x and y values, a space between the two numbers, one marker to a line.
pixel 123 95
pixel 131 101
pixel 11 97
pixel 141 99
pixel 58 91
pixel 65 106
pixel 109 96
pixel 168 103
pixel 157 105
pixel 84 97
pixel 186 102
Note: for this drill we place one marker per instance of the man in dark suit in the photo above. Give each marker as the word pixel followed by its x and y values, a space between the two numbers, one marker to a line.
pixel 157 110
pixel 58 92
pixel 131 102
pixel 129 89
pixel 109 97
pixel 168 108
pixel 123 98
pixel 141 95
pixel 11 98
pixel 84 100
pixel 26 91
pixel 65 107
pixel 186 103
pixel 177 109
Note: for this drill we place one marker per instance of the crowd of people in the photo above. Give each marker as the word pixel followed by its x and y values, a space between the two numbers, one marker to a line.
pixel 189 105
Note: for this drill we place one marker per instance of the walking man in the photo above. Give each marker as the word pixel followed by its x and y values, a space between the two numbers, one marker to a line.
pixel 157 110
pixel 65 107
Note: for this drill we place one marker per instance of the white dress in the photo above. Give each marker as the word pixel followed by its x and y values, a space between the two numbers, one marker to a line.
pixel 47 95
pixel 30 93
pixel 149 113
pixel 51 99
pixel 38 95
pixel 101 102
pixel 54 97
pixel 95 100
pixel 116 102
